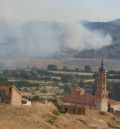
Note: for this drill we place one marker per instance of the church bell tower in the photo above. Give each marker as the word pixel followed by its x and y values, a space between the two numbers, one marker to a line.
pixel 101 92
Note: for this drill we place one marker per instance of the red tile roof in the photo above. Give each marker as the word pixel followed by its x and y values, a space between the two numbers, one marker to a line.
pixel 86 100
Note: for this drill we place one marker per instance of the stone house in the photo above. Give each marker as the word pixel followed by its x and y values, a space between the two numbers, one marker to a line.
pixel 10 95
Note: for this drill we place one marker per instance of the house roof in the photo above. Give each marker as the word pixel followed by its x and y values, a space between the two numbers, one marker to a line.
pixel 86 100
pixel 16 89
pixel 7 85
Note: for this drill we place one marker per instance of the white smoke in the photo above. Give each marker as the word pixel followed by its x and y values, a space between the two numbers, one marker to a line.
pixel 43 39
pixel 80 38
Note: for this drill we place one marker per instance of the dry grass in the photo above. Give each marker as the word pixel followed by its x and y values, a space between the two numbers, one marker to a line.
pixel 40 116
pixel 12 117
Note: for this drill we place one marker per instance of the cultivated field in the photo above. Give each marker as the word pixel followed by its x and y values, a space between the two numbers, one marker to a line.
pixel 69 62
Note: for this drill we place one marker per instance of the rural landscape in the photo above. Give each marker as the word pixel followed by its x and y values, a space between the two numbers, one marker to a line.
pixel 45 86
pixel 59 64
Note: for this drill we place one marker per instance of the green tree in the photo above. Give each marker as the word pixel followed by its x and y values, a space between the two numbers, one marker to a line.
pixel 67 78
pixel 77 69
pixel 87 68
pixel 114 90
pixel 4 81
pixel 51 67
pixel 65 68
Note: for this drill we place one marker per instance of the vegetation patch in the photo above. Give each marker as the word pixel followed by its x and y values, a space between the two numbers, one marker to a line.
pixel 56 112
pixel 52 120
pixel 61 108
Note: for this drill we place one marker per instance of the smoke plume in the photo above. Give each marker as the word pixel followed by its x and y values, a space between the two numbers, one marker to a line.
pixel 45 39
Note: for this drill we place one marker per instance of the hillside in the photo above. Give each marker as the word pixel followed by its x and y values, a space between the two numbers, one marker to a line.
pixel 111 51
pixel 41 116
pixel 110 27
pixel 41 39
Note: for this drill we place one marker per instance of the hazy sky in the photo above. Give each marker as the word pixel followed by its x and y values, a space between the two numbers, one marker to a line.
pixel 60 10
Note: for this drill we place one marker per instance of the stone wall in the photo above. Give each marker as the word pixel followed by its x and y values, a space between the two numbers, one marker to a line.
pixel 117 113
pixel 15 97
pixel 10 95
pixel 79 110
pixel 4 94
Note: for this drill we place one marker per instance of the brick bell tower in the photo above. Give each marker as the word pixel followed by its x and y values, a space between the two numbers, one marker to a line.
pixel 101 92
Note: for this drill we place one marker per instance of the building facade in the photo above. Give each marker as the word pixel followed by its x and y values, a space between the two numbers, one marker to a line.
pixel 79 103
pixel 10 95
pixel 101 95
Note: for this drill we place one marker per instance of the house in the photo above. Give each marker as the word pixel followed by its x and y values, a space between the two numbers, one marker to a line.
pixel 78 102
pixel 10 95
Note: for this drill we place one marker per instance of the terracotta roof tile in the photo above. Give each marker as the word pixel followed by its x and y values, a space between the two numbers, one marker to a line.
pixel 86 100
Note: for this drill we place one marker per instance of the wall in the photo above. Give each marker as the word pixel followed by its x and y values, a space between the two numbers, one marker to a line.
pixel 16 98
pixel 6 99
pixel 79 110
pixel 117 113
pixel 116 107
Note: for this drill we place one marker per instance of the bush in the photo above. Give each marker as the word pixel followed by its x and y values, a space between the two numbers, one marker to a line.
pixel 52 120
pixel 61 109
pixel 56 112
pixel 87 68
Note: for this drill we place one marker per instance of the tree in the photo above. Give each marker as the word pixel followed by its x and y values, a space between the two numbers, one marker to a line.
pixel 67 89
pixel 67 78
pixel 4 81
pixel 77 69
pixel 114 90
pixel 87 68
pixel 52 67
pixel 65 68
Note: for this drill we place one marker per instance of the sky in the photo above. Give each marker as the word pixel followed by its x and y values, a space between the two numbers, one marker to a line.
pixel 59 10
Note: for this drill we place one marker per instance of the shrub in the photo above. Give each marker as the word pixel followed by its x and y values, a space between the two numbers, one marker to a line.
pixel 52 120
pixel 56 112
pixel 61 109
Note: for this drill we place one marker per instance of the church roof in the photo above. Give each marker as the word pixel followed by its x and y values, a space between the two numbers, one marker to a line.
pixel 82 99
pixel 86 100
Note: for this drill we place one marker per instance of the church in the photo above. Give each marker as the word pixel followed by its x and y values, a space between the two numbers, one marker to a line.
pixel 78 102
